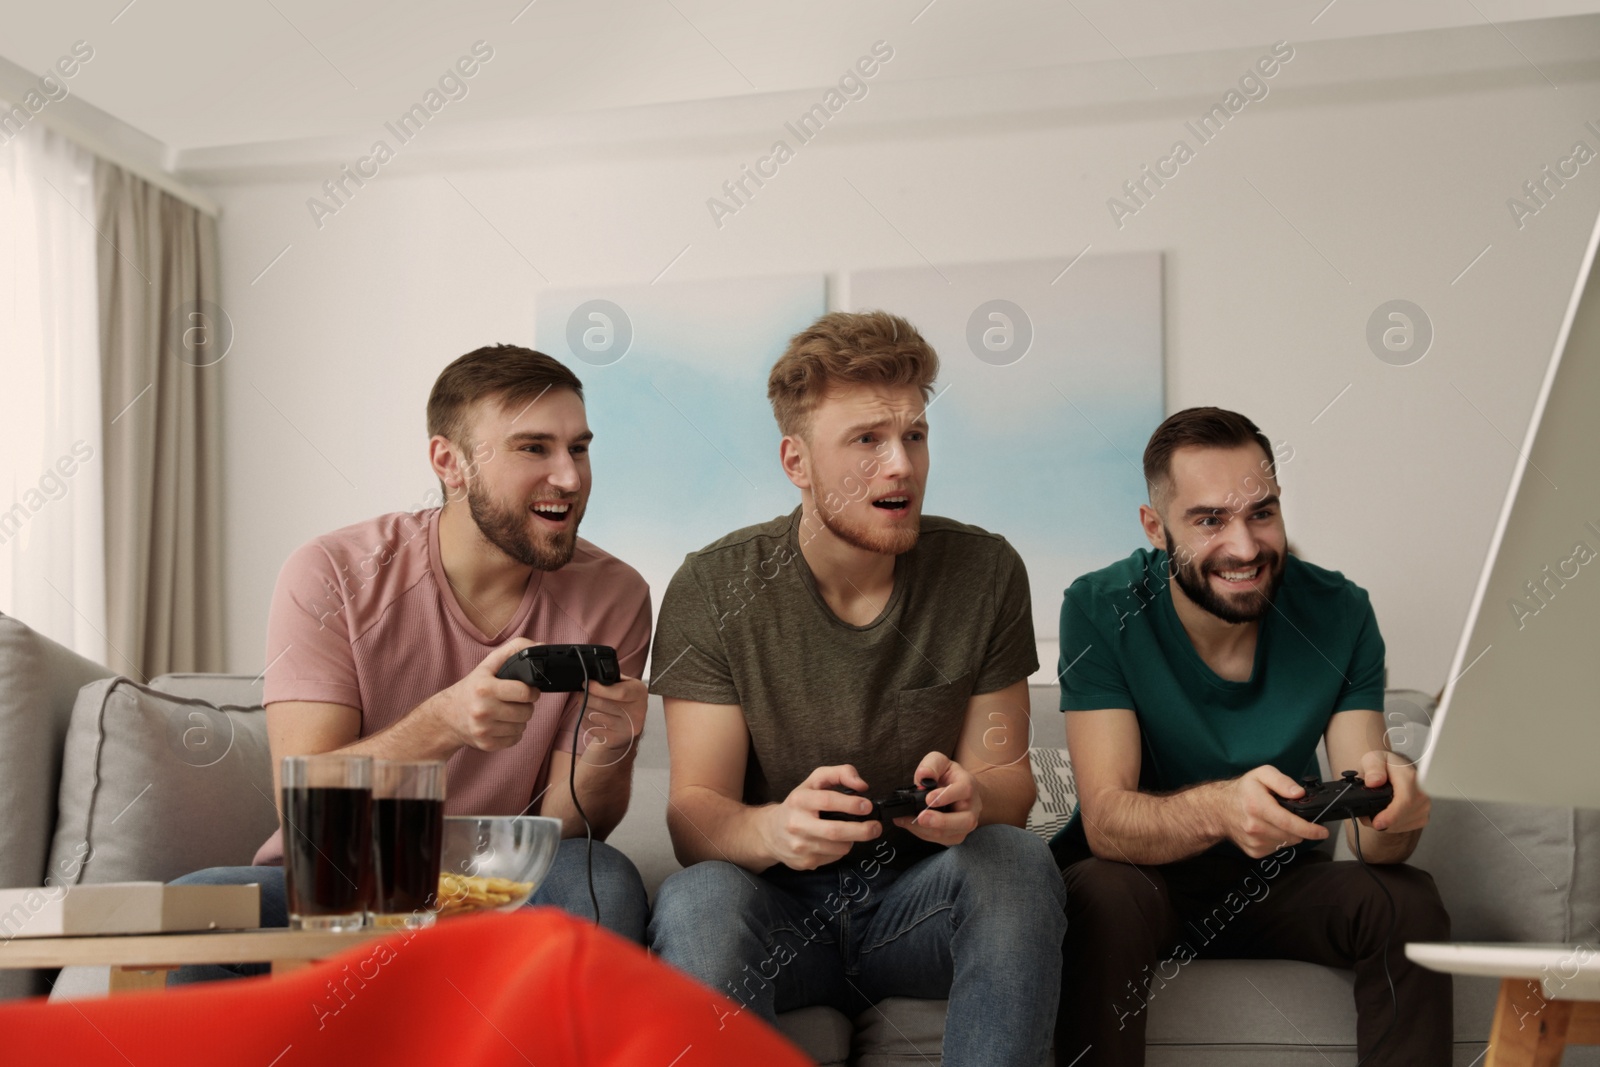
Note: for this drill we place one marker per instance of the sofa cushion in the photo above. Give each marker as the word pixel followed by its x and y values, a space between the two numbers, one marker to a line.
pixel 154 786
pixel 822 1033
pixel 1252 1002
pixel 39 680
pixel 900 1030
pixel 215 689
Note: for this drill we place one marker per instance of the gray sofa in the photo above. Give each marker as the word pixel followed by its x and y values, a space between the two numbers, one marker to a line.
pixel 120 781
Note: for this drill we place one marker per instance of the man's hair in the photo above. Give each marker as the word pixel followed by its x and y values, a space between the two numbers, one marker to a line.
pixel 847 348
pixel 510 373
pixel 1202 428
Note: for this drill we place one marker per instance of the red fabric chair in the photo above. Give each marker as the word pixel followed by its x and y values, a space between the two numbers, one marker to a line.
pixel 537 987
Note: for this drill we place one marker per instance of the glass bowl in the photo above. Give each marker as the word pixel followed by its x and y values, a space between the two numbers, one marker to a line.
pixel 494 862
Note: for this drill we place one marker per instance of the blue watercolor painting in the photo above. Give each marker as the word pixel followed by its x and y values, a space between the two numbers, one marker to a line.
pixel 675 380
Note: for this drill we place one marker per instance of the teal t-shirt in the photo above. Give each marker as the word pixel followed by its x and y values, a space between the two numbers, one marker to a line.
pixel 1318 653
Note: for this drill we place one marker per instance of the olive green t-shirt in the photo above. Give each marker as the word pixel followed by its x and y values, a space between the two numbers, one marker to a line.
pixel 743 622
pixel 1318 653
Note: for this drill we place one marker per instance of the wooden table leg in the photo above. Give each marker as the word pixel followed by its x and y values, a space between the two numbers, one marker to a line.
pixel 1584 1026
pixel 1529 1031
pixel 137 979
pixel 141 979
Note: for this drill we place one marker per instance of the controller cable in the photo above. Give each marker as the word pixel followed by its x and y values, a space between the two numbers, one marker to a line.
pixel 1388 945
pixel 572 786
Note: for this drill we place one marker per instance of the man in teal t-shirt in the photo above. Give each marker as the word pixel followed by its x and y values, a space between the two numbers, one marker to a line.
pixel 1198 677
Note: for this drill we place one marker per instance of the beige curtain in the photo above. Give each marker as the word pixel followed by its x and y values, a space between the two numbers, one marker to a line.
pixel 162 339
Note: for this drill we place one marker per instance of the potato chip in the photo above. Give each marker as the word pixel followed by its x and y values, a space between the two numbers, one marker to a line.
pixel 460 894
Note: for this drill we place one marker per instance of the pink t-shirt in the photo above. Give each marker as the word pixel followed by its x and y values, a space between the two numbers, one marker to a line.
pixel 365 617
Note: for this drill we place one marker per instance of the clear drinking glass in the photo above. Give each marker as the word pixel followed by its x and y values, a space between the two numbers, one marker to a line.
pixel 327 840
pixel 407 840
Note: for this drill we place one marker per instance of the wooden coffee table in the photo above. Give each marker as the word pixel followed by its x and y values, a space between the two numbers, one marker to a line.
pixel 141 961
pixel 1549 995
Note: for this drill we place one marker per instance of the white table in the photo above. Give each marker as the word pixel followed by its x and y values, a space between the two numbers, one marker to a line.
pixel 1549 995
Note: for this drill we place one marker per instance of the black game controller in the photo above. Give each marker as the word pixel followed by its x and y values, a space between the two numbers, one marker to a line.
pixel 908 800
pixel 559 669
pixel 1348 798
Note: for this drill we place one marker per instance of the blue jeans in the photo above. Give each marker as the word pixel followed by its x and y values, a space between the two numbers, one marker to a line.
pixel 624 907
pixel 980 924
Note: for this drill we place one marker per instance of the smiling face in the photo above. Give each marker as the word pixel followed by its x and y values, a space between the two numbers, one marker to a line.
pixel 863 463
pixel 1222 526
pixel 528 479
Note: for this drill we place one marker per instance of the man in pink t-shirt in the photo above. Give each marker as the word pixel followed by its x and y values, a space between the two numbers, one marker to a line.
pixel 384 637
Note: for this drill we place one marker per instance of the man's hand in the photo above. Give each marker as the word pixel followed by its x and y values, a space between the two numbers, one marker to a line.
pixel 956 789
pixel 800 838
pixel 1253 819
pixel 482 711
pixel 1411 806
pixel 614 721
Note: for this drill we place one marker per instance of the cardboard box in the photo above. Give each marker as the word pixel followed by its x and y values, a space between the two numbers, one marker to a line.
pixel 127 908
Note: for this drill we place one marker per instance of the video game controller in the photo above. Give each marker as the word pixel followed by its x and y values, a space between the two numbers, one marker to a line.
pixel 559 669
pixel 1347 798
pixel 908 800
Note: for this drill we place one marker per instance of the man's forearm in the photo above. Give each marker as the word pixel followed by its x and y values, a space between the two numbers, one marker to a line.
pixel 416 736
pixel 1146 829
pixel 705 825
pixel 1006 794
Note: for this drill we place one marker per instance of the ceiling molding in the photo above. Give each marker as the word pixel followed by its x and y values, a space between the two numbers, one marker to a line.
pixel 1368 69
pixel 103 134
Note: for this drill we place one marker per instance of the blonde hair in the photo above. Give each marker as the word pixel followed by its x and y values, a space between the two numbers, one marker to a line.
pixel 847 348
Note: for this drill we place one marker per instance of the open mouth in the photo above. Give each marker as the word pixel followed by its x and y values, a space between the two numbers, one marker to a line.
pixel 553 512
pixel 894 505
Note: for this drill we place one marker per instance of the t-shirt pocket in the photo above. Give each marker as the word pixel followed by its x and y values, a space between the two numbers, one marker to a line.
pixel 930 720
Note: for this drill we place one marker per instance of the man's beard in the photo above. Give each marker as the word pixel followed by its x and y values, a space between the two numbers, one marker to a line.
pixel 506 527
pixel 868 539
pixel 1245 606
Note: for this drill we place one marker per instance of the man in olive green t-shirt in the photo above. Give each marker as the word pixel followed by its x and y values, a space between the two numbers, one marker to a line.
pixel 857 643
pixel 1198 677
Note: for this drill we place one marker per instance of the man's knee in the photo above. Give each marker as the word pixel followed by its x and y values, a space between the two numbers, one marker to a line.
pixel 1419 912
pixel 1006 859
pixel 704 920
pixel 616 871
pixel 221 876
pixel 694 903
pixel 1105 891
pixel 1106 884
pixel 618 889
pixel 701 892
pixel 1009 845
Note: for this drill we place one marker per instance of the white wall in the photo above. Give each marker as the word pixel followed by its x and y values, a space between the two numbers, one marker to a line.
pixel 1400 186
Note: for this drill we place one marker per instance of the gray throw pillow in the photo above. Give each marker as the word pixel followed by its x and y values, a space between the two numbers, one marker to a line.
pixel 1057 791
pixel 39 680
pixel 155 786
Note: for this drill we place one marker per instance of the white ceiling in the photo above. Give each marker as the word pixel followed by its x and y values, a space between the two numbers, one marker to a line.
pixel 196 74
